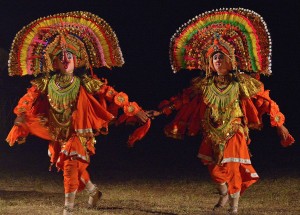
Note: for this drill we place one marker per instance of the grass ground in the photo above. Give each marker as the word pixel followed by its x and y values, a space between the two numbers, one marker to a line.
pixel 43 194
pixel 133 186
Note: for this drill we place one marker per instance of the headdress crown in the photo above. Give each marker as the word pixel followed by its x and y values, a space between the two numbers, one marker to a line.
pixel 86 35
pixel 240 33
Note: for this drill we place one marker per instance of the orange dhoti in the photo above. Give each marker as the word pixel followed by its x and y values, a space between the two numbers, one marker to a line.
pixel 75 175
pixel 73 158
pixel 235 168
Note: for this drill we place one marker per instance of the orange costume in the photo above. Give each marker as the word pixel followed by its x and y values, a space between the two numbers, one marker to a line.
pixel 223 104
pixel 70 110
pixel 71 129
pixel 225 135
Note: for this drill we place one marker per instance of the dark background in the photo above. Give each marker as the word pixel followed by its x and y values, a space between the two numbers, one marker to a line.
pixel 144 29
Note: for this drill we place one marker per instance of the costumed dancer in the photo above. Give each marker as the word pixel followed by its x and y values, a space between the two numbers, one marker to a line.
pixel 67 109
pixel 233 48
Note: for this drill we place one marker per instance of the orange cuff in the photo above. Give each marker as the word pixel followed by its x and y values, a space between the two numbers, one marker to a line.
pixel 131 109
pixel 110 93
pixel 121 99
pixel 277 119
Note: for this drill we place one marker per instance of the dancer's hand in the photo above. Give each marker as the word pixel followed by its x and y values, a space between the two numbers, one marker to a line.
pixel 142 116
pixel 286 138
pixel 153 113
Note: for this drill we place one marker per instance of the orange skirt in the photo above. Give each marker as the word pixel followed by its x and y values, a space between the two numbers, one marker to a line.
pixel 236 150
pixel 72 149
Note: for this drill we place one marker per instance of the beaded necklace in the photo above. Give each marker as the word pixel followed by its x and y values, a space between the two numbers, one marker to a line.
pixel 60 96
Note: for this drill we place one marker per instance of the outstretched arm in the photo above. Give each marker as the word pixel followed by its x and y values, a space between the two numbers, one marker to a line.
pixel 174 103
pixel 113 101
pixel 120 100
pixel 265 104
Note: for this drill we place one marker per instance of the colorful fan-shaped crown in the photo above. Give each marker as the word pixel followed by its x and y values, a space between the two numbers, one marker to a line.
pixel 240 33
pixel 86 35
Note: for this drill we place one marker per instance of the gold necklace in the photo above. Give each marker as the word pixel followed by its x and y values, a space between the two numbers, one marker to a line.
pixel 62 98
pixel 222 81
pixel 63 81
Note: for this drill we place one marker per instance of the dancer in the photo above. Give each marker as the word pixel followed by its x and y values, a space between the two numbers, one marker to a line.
pixel 67 103
pixel 232 48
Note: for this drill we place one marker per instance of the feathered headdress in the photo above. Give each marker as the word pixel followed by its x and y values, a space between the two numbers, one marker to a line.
pixel 239 33
pixel 85 35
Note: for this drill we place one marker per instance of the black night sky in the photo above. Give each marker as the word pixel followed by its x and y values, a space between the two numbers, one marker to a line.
pixel 144 29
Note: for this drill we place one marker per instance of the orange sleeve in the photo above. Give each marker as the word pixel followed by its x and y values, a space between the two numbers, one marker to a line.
pixel 17 134
pixel 26 102
pixel 265 104
pixel 130 109
pixel 119 100
pixel 175 102
pixel 25 109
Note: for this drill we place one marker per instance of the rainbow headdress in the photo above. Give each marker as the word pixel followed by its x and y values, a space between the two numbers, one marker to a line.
pixel 240 33
pixel 86 35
